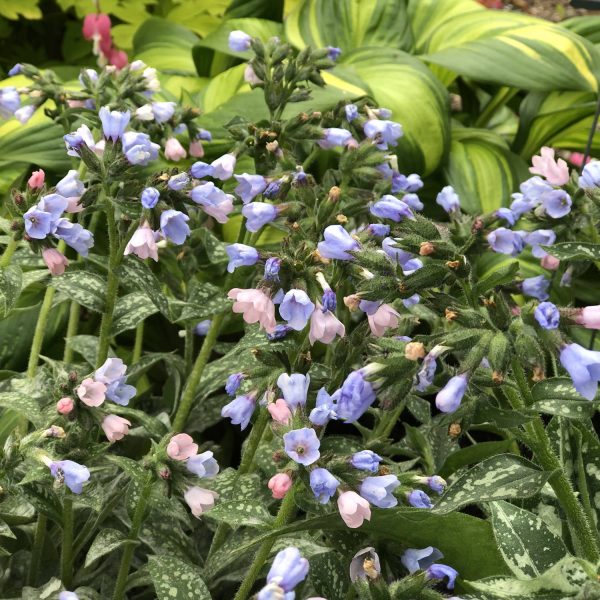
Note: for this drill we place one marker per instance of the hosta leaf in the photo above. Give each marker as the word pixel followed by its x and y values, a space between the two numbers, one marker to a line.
pixel 131 310
pixel 85 287
pixel 497 478
pixel 574 250
pixel 136 273
pixel 11 279
pixel 528 546
pixel 176 580
pixel 28 9
pixel 107 541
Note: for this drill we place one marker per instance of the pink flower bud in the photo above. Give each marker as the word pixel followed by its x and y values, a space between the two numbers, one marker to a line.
pixel 556 172
pixel 37 179
pixel 174 150
pixel 181 447
pixel 65 405
pixel 196 149
pixel 279 485
pixel 550 262
pixel 55 260
pixel 91 393
pixel 353 509
pixel 118 58
pixel 589 317
pixel 115 427
pixel 200 500
pixel 280 412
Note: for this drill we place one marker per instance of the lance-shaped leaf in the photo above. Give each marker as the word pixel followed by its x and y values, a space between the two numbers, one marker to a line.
pixel 176 580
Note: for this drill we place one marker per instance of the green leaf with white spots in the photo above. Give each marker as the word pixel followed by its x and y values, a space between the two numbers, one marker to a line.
pixel 497 478
pixel 131 310
pixel 23 404
pixel 11 280
pixel 241 513
pixel 137 274
pixel 329 575
pixel 528 546
pixel 557 396
pixel 85 287
pixel 204 301
pixel 574 250
pixel 107 541
pixel 176 580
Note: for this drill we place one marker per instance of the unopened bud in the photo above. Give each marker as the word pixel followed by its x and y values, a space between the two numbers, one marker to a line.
pixel 426 249
pixel 450 314
pixel 478 225
pixel 164 473
pixel 272 146
pixel 54 431
pixel 73 376
pixel 352 301
pixel 341 219
pixel 414 351
pixel 453 264
pixel 454 430
pixel 538 373
pixel 334 194
pixel 497 377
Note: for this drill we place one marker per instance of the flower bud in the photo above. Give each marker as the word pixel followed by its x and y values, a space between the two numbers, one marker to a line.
pixel 279 485
pixel 426 249
pixel 65 405
pixel 414 351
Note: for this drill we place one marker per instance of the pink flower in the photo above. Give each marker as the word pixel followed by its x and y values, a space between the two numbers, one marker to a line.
pixel 555 172
pixel 118 58
pixel 91 392
pixel 255 306
pixel 196 149
pixel 250 76
pixel 384 317
pixel 353 509
pixel 96 26
pixel 142 243
pixel 174 150
pixel 280 412
pixel 55 260
pixel 115 427
pixel 36 180
pixel 182 447
pixel 73 205
pixel 65 405
pixel 324 326
pixel 200 500
pixel 576 159
pixel 550 262
pixel 589 317
pixel 279 485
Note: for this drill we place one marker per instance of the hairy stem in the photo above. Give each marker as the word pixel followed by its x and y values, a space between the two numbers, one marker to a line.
pixel 138 343
pixel 37 549
pixel 8 252
pixel 66 561
pixel 74 315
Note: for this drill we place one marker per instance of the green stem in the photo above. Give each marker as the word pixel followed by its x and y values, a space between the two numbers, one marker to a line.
pixel 138 344
pixel 74 315
pixel 37 549
pixel 191 385
pixel 188 351
pixel 389 419
pixel 40 328
pixel 136 524
pixel 582 532
pixel 499 99
pixel 8 252
pixel 286 512
pixel 66 563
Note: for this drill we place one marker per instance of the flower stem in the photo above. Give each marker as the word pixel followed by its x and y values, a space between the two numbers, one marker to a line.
pixel 37 549
pixel 73 324
pixel 194 379
pixel 40 328
pixel 8 252
pixel 138 344
pixel 66 564
pixel 286 512
pixel 136 524
pixel 584 539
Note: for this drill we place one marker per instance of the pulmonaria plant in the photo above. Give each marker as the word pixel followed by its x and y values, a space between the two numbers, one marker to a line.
pixel 389 357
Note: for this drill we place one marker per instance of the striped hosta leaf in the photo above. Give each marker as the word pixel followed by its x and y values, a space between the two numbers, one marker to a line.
pixel 416 98
pixel 176 580
pixel 131 310
pixel 528 546
pixel 497 478
pixel 348 24
pixel 482 169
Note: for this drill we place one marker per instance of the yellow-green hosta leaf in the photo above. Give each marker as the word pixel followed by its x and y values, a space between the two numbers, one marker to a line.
pixel 349 24
pixel 28 9
pixel 416 98
pixel 483 170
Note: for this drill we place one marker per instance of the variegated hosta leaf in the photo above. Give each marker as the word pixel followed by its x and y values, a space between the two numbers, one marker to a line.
pixel 528 546
pixel 176 580
pixel 497 478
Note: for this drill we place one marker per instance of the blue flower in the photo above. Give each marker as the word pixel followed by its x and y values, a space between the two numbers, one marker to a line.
pixel 411 300
pixel 590 178
pixel 448 399
pixel 384 133
pixel 389 207
pixel 324 409
pixel 419 499
pixel 296 309
pixel 204 135
pixel 378 490
pixel 239 410
pixel 556 203
pixel 150 197
pixel 70 186
pixel 507 241
pixel 329 301
pixel 366 460
pixel 114 123
pixel 249 186
pixel 369 307
pixel 280 332
pixel 323 484
pixel 258 214
pixel 436 483
pixel 448 199
pixel 426 373
pixel 402 183
pixel 378 229
pixel 334 137
pixel 178 182
pixel 201 169
pixel 17 69
pixel 202 328
pixel 9 102
pixel 356 395
pixel 233 383
pixel 112 370
pixel 413 201
pixel 214 201
pixel 272 267
pixel 288 569
pixel 120 392
pixel 520 205
pixel 202 465
pixel 351 111
pixel 418 559
pixel 536 287
pixel 80 239
pixel 38 223
pixel 533 188
pixel 302 445
pixel 333 53
pixel 273 189
pixel 398 255
pixel 163 111
pixel 583 367
pixel 68 596
pixel 294 388
pixel 507 214
pixel 173 225
pixel 71 473
pixel 547 315
pixel 338 242
pixel 437 571
pixel 239 41
pixel 138 148
pixel 241 255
